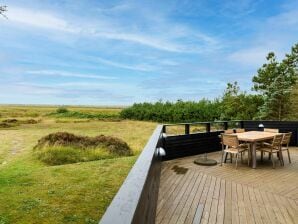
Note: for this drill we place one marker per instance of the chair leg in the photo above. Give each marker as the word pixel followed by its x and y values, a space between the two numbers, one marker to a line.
pixel 248 157
pixel 237 155
pixel 231 155
pixel 289 155
pixel 262 154
pixel 272 159
pixel 241 157
pixel 222 155
pixel 281 158
pixel 226 157
pixel 269 156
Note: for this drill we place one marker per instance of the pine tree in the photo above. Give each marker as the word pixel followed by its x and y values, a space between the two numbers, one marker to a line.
pixel 275 81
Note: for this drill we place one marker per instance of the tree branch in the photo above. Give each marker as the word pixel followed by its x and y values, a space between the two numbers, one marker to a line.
pixel 3 9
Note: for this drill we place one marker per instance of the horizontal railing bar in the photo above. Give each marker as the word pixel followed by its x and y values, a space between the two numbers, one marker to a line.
pixel 190 123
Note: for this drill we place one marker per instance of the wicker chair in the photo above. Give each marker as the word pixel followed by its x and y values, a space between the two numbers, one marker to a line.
pixel 240 130
pixel 233 147
pixel 272 130
pixel 285 144
pixel 274 147
pixel 229 131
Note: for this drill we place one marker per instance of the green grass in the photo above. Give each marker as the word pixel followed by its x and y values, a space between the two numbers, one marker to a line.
pixel 60 155
pixel 33 192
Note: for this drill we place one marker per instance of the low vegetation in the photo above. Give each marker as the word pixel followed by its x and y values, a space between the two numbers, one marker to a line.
pixel 63 112
pixel 63 148
pixel 21 111
pixel 8 123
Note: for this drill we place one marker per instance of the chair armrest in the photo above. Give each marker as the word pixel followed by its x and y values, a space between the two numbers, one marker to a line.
pixel 266 144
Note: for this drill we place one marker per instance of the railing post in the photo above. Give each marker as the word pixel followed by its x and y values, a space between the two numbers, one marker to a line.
pixel 208 127
pixel 297 137
pixel 225 125
pixel 187 129
pixel 164 129
pixel 241 124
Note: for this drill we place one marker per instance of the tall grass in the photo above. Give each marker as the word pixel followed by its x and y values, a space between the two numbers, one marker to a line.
pixel 59 155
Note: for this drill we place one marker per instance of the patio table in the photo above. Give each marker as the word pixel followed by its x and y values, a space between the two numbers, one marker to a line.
pixel 252 137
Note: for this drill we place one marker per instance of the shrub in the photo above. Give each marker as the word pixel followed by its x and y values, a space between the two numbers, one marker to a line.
pixel 63 147
pixel 61 110
pixel 6 125
pixel 10 121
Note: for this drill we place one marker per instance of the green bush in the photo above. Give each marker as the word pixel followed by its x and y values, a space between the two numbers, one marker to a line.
pixel 62 148
pixel 61 110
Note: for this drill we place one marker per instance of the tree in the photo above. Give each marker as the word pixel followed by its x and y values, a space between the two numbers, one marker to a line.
pixel 238 105
pixel 293 115
pixel 275 81
pixel 3 9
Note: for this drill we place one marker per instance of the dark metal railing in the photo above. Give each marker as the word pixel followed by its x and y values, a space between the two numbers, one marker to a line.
pixel 136 200
pixel 188 125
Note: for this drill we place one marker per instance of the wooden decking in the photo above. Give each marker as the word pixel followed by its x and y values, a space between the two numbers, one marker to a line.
pixel 221 194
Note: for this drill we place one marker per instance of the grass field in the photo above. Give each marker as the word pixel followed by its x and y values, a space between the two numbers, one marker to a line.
pixel 32 192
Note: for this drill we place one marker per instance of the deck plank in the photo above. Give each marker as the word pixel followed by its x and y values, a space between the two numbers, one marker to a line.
pixel 223 194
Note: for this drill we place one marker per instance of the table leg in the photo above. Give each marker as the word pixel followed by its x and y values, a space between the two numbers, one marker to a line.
pixel 254 155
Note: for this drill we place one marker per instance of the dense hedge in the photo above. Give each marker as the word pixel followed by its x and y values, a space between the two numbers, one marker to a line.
pixel 180 111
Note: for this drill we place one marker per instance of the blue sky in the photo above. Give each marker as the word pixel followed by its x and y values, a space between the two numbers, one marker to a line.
pixel 119 52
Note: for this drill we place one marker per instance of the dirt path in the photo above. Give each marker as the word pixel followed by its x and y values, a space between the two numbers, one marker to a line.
pixel 16 146
pixel 13 147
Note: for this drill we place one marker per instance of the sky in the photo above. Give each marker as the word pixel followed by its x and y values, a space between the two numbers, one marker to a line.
pixel 114 52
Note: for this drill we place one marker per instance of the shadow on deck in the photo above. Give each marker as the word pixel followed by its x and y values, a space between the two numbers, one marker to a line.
pixel 222 194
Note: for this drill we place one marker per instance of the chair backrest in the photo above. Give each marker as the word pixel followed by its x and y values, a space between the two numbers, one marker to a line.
pixel 230 140
pixel 271 130
pixel 286 138
pixel 240 130
pixel 277 141
pixel 229 131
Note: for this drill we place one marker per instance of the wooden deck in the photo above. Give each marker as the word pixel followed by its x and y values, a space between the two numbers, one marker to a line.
pixel 221 194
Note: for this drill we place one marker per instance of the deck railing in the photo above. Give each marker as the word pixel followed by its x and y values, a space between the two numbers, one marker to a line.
pixel 136 200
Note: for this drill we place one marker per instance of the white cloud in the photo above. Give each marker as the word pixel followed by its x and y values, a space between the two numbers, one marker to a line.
pixel 39 19
pixel 67 74
pixel 139 67
pixel 250 56
pixel 288 19
pixel 275 34
pixel 161 39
